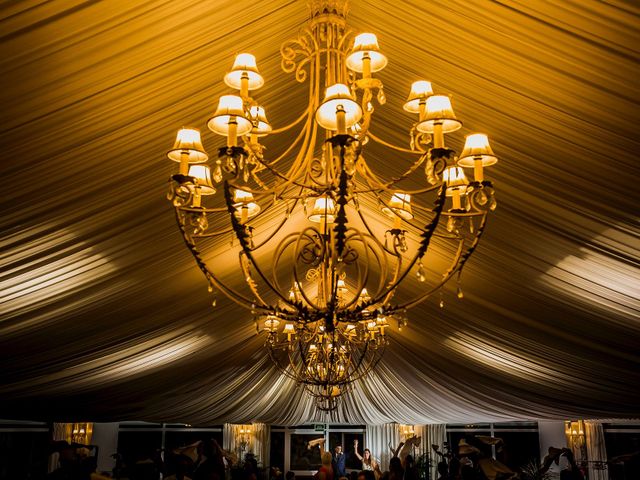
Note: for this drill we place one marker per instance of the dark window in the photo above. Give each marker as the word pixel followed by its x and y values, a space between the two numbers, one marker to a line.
pixel 621 444
pixel 137 445
pixel 24 454
pixel 303 458
pixel 276 455
pixel 520 448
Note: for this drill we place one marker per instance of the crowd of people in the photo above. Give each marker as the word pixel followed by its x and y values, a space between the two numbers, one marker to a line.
pixel 206 460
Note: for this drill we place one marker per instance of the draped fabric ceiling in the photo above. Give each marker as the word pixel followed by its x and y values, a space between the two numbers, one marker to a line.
pixel 105 317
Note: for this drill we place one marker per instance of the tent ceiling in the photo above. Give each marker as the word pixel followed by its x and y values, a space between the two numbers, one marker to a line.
pixel 104 316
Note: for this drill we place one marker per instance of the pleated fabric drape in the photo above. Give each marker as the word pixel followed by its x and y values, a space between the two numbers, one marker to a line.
pixel 433 434
pixel 596 450
pixel 261 442
pixel 102 306
pixel 379 437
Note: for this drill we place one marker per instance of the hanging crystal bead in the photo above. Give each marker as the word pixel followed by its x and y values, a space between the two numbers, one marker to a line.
pixel 217 172
pixel 420 274
pixel 450 224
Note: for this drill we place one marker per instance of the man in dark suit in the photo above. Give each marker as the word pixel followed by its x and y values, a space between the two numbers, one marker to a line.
pixel 338 464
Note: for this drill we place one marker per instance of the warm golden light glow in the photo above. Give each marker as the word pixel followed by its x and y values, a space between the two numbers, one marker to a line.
pixel 476 147
pixel 271 323
pixel 365 56
pixel 439 111
pixel 230 112
pixel 187 149
pixel 261 125
pixel 455 180
pixel 399 205
pixel 202 176
pixel 245 205
pixel 338 97
pixel 420 90
pixel 245 67
pixel 323 211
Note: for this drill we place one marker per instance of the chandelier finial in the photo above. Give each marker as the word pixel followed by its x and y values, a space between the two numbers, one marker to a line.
pixel 328 7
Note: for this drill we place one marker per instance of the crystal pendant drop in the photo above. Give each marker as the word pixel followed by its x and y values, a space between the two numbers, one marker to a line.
pixel 450 224
pixel 210 288
pixel 217 172
pixel 403 244
pixel 441 303
pixel 420 274
pixel 460 294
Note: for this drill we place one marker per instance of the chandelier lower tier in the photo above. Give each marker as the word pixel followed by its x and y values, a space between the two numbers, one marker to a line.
pixel 332 252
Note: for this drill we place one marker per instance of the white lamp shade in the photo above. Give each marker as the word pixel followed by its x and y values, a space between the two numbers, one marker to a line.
pixel 230 108
pixel 400 205
pixel 244 64
pixel 244 200
pixel 439 110
pixel 202 175
pixel 271 323
pixel 366 44
pixel 323 209
pixel 455 180
pixel 477 148
pixel 261 126
pixel 420 91
pixel 188 143
pixel 338 95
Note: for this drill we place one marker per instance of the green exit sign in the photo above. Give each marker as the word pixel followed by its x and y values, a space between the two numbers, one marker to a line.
pixel 318 427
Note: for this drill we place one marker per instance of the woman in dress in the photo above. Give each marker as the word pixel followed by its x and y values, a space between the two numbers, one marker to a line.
pixel 368 462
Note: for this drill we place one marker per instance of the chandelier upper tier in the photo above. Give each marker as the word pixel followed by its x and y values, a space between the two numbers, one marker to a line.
pixel 333 247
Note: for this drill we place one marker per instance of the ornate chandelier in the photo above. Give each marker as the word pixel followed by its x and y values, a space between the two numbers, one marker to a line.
pixel 325 242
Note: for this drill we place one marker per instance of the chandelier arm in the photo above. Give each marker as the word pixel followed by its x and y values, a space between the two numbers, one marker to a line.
pixel 209 275
pixel 251 283
pixel 375 184
pixel 242 235
pixel 277 362
pixel 277 229
pixel 457 266
pixel 292 145
pixel 362 281
pixel 424 245
pixel 366 225
pixel 275 131
pixel 297 252
pixel 394 147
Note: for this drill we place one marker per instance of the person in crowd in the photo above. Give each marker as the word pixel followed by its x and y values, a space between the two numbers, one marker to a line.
pixel 339 462
pixel 368 462
pixel 326 470
pixel 396 472
pixel 210 463
pixel 443 471
pixel 182 465
pixel 410 469
pixel 368 475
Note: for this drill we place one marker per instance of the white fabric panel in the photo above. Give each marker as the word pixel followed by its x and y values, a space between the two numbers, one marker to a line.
pixel 262 442
pixel 596 449
pixel 379 437
pixel 432 434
